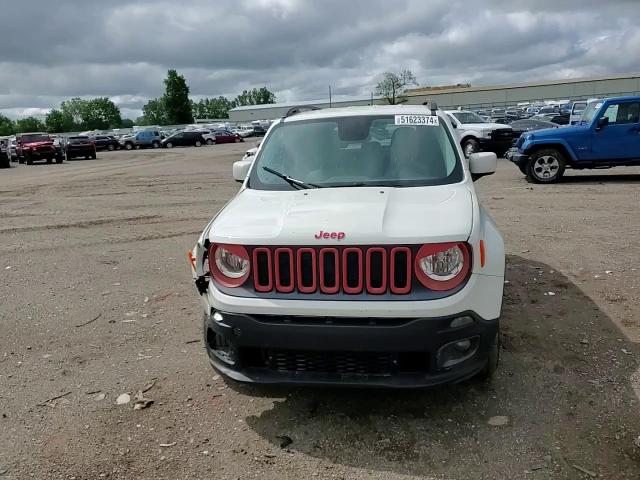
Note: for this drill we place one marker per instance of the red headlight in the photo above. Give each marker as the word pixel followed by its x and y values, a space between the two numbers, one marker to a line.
pixel 229 264
pixel 443 266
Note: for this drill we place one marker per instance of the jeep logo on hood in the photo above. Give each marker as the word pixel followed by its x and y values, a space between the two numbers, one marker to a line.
pixel 329 235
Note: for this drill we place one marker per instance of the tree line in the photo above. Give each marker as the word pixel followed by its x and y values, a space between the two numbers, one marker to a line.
pixel 174 107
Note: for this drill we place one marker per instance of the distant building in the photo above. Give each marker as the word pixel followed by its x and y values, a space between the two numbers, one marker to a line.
pixel 464 95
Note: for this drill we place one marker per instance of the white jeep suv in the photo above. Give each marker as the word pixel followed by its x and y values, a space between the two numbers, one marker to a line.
pixel 476 135
pixel 356 252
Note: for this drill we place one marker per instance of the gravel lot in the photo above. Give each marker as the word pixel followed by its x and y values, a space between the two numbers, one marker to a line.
pixel 96 300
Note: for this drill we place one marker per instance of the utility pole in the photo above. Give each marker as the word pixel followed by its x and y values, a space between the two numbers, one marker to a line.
pixel 329 96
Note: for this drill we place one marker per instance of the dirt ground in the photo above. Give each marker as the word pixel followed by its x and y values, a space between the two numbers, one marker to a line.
pixel 96 300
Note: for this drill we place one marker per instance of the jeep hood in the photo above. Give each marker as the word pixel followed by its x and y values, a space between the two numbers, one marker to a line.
pixel 46 143
pixel 556 132
pixel 484 126
pixel 366 215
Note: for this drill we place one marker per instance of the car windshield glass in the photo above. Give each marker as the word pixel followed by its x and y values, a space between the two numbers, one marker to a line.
pixel 578 107
pixel 468 117
pixel 363 151
pixel 590 111
pixel 36 137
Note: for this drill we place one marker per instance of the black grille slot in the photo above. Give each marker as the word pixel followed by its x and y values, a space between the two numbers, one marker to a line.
pixel 262 268
pixel 375 269
pixel 400 271
pixel 329 266
pixel 284 268
pixel 353 273
pixel 307 270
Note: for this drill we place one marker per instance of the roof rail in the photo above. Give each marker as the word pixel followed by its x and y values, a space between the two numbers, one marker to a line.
pixel 433 106
pixel 299 109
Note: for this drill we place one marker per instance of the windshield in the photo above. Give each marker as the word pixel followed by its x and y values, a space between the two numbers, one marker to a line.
pixel 356 151
pixel 590 112
pixel 468 117
pixel 578 107
pixel 35 137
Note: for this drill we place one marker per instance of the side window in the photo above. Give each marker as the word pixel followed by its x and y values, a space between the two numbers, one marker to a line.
pixel 622 113
pixel 611 113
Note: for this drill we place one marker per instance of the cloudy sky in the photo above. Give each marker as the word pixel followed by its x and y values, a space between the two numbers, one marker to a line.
pixel 54 50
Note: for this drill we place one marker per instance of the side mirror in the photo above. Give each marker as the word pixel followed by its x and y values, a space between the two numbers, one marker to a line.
pixel 241 169
pixel 603 122
pixel 454 124
pixel 482 163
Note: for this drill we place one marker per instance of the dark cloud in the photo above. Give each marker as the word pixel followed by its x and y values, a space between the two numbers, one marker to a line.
pixel 50 51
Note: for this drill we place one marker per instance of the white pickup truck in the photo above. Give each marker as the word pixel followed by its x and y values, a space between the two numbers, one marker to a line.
pixel 356 252
pixel 477 135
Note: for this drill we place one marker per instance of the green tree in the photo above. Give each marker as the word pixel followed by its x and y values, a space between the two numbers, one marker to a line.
pixel 263 96
pixel 393 85
pixel 254 97
pixel 30 124
pixel 127 123
pixel 101 114
pixel 75 108
pixel 7 127
pixel 211 108
pixel 176 99
pixel 153 113
pixel 58 121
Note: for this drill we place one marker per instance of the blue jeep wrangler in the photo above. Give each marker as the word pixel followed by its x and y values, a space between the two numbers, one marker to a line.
pixel 607 135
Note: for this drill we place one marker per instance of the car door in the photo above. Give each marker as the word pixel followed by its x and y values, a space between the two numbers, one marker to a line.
pixel 221 137
pixel 619 140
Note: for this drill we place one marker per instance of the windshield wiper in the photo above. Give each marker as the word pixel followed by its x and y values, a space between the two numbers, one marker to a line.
pixel 290 180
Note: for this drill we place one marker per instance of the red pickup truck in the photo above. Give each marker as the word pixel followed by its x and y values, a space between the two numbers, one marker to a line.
pixel 32 147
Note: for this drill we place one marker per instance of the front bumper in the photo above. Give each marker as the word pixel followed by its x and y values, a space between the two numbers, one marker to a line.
pixel 518 158
pixel 494 145
pixel 378 352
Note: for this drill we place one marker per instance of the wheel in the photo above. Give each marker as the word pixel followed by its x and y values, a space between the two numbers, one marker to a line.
pixel 29 161
pixel 169 145
pixel 545 166
pixel 111 147
pixel 469 146
pixel 198 143
pixel 210 142
pixel 20 160
pixel 237 140
pixel 94 156
pixel 59 160
pixel 155 144
pixel 128 146
pixel 492 359
pixel 86 157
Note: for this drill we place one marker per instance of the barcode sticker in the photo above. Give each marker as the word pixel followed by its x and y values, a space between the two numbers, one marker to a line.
pixel 428 120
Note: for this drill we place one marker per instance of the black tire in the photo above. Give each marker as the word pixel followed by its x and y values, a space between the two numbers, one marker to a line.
pixel 493 359
pixel 155 144
pixel 59 159
pixel 111 147
pixel 210 142
pixel 198 143
pixel 545 166
pixel 20 160
pixel 237 140
pixel 29 161
pixel 169 145
pixel 49 160
pixel 128 146
pixel 469 146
